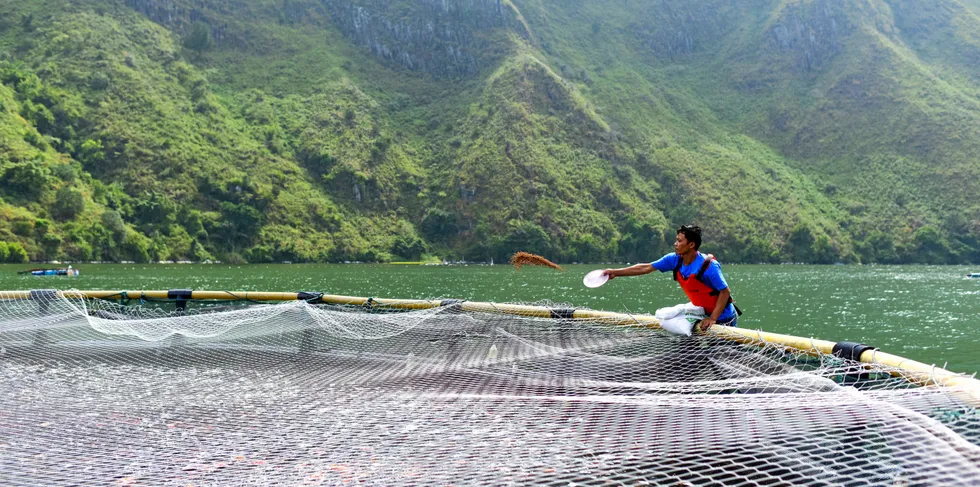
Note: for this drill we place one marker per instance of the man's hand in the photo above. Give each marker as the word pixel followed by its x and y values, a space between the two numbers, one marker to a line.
pixel 610 273
pixel 707 322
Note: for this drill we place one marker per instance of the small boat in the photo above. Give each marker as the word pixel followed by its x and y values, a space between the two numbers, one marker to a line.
pixel 51 272
pixel 975 275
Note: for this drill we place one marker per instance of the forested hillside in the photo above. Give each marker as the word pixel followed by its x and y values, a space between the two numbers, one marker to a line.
pixel 330 130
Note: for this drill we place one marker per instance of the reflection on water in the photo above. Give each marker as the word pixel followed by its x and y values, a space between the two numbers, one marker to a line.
pixel 926 313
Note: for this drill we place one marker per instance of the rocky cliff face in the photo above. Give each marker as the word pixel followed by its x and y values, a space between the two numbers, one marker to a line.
pixel 178 15
pixel 812 30
pixel 440 37
pixel 679 27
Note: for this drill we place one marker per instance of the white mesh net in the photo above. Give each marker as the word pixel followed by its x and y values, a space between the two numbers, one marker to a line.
pixel 98 393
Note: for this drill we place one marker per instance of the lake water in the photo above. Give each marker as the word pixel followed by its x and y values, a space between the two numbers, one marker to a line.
pixel 926 313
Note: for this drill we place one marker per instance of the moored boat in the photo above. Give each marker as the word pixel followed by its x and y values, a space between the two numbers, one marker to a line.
pixel 51 272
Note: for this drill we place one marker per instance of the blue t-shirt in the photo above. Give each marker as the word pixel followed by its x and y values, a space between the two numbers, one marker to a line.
pixel 712 276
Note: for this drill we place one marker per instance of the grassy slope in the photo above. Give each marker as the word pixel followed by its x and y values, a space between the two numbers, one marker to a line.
pixel 23 149
pixel 710 172
pixel 892 121
pixel 583 138
pixel 885 128
pixel 168 136
pixel 441 139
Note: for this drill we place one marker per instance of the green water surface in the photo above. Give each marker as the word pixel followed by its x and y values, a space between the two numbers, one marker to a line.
pixel 926 313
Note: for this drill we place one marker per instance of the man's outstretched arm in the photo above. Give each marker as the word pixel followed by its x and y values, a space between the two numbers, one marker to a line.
pixel 633 270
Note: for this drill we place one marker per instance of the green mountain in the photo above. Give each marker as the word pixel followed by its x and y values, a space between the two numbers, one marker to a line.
pixel 331 130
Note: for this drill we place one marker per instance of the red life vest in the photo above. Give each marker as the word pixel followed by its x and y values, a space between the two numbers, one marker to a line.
pixel 696 289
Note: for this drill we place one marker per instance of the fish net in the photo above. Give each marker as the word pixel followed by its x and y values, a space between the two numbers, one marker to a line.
pixel 97 392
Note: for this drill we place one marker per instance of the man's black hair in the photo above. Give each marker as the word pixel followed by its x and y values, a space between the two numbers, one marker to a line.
pixel 692 233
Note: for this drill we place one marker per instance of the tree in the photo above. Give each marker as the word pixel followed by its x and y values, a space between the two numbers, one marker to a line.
pixel 27 22
pixel 439 225
pixel 17 253
pixel 91 154
pixel 68 203
pixel 408 246
pixel 824 251
pixel 137 246
pixel 193 223
pixel 930 246
pixel 113 222
pixel 154 209
pixel 27 179
pixel 799 248
pixel 586 248
pixel 882 248
pixel 22 227
pixel 757 250
pixel 51 244
pixel 41 226
pixel 640 240
pixel 259 254
pixel 241 223
pixel 523 235
pixel 198 37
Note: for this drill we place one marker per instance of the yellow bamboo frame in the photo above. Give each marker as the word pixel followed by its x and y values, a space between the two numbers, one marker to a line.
pixel 926 375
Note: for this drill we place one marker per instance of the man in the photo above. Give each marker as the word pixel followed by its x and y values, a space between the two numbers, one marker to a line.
pixel 699 276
